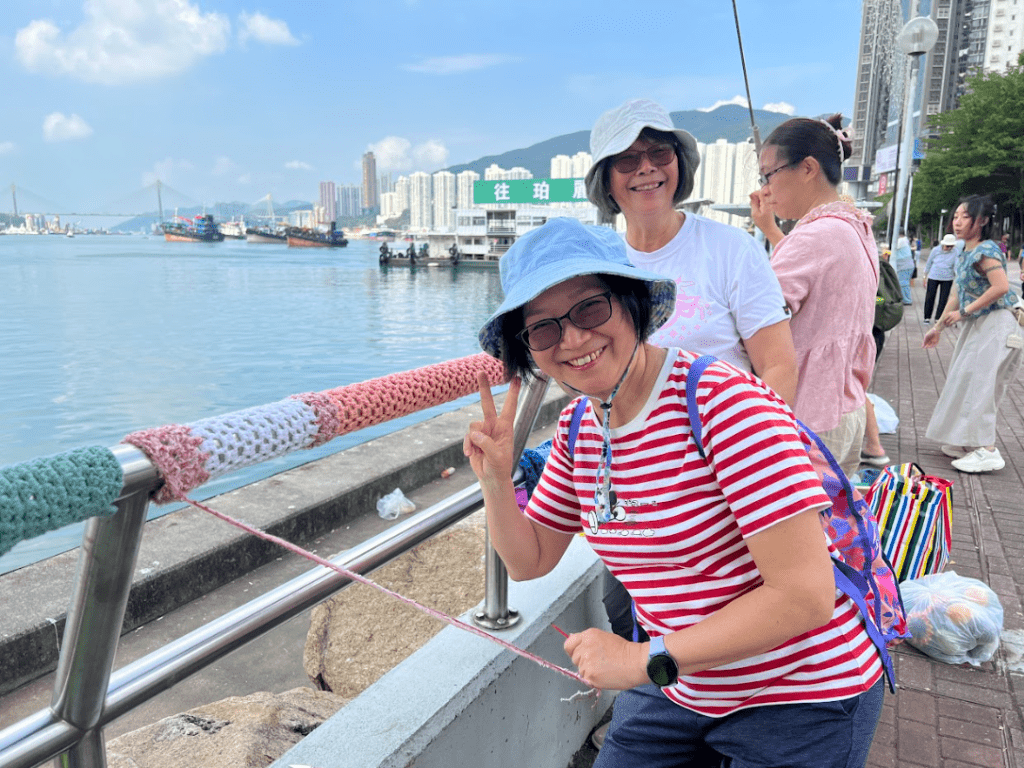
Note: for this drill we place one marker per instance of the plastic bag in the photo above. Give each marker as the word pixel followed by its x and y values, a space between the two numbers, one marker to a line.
pixel 953 618
pixel 394 504
pixel 886 418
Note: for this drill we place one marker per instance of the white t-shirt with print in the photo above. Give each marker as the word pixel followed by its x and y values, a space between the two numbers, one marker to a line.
pixel 725 289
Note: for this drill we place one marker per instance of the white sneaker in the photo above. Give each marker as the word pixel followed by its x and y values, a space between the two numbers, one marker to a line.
pixel 955 451
pixel 981 460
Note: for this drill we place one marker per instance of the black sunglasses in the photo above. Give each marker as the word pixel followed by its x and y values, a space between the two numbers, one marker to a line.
pixel 659 155
pixel 586 315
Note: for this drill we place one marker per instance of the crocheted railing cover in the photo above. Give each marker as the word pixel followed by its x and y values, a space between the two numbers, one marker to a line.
pixel 189 455
pixel 45 494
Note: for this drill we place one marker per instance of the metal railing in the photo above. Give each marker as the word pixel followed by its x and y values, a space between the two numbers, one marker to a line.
pixel 88 694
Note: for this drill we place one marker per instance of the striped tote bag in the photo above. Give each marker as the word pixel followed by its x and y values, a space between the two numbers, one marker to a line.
pixel 915 519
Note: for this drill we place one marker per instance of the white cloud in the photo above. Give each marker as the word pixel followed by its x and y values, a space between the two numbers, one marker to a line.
pixel 264 29
pixel 166 170
pixel 454 65
pixel 298 165
pixel 58 127
pixel 6 147
pixel 394 153
pixel 223 166
pixel 122 41
pixel 780 106
pixel 739 100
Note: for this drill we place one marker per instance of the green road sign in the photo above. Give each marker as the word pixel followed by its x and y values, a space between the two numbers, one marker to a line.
pixel 529 191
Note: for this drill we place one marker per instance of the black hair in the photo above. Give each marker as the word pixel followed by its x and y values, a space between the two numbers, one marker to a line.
pixel 598 191
pixel 980 205
pixel 634 296
pixel 802 137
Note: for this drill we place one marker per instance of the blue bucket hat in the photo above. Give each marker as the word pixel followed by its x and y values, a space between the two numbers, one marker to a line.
pixel 560 250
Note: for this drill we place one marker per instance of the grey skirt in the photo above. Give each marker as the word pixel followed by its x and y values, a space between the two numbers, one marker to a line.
pixel 980 370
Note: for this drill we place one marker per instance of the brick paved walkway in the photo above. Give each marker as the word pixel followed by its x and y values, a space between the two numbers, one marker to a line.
pixel 947 716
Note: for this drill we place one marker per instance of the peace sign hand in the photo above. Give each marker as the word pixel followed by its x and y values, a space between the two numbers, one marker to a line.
pixel 488 443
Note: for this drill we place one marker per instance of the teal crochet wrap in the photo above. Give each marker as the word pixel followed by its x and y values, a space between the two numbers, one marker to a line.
pixel 45 494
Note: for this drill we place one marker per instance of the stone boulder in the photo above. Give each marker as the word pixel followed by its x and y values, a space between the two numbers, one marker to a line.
pixel 360 633
pixel 242 732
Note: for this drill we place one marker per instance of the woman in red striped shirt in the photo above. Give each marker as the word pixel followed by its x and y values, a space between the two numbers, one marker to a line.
pixel 755 658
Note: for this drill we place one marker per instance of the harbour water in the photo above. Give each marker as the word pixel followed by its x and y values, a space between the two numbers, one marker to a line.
pixel 105 335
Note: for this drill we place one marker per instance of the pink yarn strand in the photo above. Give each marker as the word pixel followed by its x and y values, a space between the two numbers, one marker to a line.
pixel 408 601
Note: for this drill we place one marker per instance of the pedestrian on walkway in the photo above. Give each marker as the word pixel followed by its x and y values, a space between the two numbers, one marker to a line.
pixel 938 275
pixel 828 269
pixel 755 657
pixel 903 260
pixel 988 352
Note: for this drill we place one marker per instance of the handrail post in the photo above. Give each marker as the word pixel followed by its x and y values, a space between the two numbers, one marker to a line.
pixel 106 564
pixel 495 613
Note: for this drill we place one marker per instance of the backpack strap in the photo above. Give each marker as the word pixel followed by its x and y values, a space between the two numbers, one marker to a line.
pixel 697 368
pixel 847 580
pixel 574 425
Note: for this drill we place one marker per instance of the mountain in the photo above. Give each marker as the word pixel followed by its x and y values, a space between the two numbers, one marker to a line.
pixel 730 122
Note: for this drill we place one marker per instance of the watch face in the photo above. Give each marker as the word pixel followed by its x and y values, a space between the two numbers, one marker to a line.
pixel 662 670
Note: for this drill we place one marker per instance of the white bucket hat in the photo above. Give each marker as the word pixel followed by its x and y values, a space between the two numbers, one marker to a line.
pixel 617 129
pixel 949 239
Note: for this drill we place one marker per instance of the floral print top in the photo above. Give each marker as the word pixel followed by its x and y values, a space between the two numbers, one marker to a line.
pixel 970 284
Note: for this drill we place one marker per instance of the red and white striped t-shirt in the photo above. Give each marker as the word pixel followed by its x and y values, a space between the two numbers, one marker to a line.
pixel 678 540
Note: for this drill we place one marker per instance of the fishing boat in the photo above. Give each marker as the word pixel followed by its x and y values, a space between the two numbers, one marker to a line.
pixel 266 235
pixel 234 230
pixel 303 237
pixel 200 229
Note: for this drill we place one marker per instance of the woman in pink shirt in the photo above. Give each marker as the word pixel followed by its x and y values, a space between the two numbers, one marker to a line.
pixel 828 268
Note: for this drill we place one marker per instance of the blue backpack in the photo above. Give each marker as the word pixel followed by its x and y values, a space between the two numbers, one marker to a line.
pixel 861 571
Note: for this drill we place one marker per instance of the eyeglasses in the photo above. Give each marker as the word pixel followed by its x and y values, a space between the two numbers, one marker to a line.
pixel 659 155
pixel 586 315
pixel 767 177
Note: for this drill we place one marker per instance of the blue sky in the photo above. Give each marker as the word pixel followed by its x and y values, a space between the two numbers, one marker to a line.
pixel 235 99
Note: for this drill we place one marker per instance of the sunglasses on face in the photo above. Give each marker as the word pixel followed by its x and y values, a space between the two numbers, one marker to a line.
pixel 659 155
pixel 585 315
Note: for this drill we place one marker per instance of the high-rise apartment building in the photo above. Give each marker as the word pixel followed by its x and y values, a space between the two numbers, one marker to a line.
pixel 420 208
pixel 371 196
pixel 561 167
pixel 444 201
pixel 350 201
pixel 1005 34
pixel 328 202
pixel 402 192
pixel 464 188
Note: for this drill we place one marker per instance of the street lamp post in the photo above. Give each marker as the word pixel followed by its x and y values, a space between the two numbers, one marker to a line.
pixel 915 39
pixel 942 217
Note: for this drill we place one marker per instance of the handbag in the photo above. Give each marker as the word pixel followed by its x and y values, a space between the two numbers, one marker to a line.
pixel 915 519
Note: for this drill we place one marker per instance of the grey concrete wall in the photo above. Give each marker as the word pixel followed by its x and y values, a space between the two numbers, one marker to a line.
pixel 461 700
pixel 188 553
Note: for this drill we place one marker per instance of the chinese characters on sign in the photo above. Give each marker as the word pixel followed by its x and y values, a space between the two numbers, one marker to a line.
pixel 530 191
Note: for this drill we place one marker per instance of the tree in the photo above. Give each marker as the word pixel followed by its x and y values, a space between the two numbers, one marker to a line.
pixel 977 148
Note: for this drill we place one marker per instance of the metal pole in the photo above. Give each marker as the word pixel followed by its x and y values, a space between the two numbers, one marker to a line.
pixel 99 599
pixel 495 613
pixel 907 151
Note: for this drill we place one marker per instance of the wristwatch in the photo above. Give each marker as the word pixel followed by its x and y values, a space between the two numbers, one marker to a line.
pixel 661 668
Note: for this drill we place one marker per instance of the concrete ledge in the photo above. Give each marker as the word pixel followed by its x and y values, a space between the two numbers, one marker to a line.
pixel 186 554
pixel 461 700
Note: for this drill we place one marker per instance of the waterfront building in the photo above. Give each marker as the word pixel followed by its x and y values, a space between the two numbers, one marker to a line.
pixel 328 202
pixel 444 201
pixel 388 207
pixel 385 183
pixel 464 188
pixel 484 235
pixel 371 196
pixel 350 201
pixel 581 163
pixel 420 197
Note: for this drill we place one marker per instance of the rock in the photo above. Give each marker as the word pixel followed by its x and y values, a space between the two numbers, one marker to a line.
pixel 360 633
pixel 241 732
